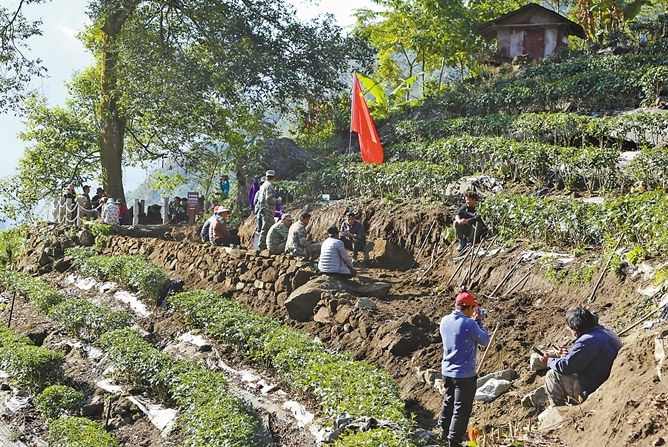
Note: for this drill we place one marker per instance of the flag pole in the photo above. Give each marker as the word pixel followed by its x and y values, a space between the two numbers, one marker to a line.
pixel 352 108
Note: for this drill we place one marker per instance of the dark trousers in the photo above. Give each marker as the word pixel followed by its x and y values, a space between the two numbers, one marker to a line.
pixel 456 408
pixel 355 245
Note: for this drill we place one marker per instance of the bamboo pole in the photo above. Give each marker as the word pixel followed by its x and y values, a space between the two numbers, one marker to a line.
pixel 508 275
pixel 424 243
pixel 484 354
pixel 607 264
pixel 638 322
pixel 517 283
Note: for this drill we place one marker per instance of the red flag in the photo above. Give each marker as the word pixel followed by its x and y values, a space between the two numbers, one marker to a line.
pixel 362 123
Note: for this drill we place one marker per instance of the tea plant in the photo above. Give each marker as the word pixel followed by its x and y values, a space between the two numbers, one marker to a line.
pixel 101 232
pixel 29 366
pixel 336 380
pixel 36 290
pixel 211 416
pixel 59 400
pixel 88 321
pixel 71 431
pixel 134 271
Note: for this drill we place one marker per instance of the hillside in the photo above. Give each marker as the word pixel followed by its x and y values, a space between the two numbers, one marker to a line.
pixel 570 160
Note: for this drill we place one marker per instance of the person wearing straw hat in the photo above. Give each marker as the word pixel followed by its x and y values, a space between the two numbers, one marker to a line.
pixel 219 234
pixel 461 331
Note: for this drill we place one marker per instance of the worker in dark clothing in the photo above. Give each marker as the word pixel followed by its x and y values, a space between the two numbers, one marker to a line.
pixel 466 221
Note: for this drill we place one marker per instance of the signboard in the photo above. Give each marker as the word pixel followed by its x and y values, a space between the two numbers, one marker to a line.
pixel 192 206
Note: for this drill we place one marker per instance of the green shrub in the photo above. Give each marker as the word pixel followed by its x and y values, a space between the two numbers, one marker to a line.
pixel 134 271
pixel 12 245
pixel 87 320
pixel 36 290
pixel 336 380
pixel 211 415
pixel 59 400
pixel 101 232
pixel 31 367
pixel 70 431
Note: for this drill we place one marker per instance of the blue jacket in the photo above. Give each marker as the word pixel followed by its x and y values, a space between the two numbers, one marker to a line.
pixel 461 336
pixel 590 357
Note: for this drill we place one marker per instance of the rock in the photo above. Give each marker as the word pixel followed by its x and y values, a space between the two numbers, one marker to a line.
pixel 302 302
pixel 323 316
pixel 376 290
pixel 365 303
pixel 535 364
pixel 44 259
pixel 550 417
pixel 427 375
pixel 86 238
pixel 62 265
pixel 301 277
pixel 285 157
pixel 269 275
pixel 537 398
pixel 385 254
pixel 506 374
pixel 439 385
pixel 401 338
pixel 660 354
pixel 94 408
pixel 492 389
pixel 343 314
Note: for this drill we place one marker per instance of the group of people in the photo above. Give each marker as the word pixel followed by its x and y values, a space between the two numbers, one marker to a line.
pixel 573 373
pixel 101 205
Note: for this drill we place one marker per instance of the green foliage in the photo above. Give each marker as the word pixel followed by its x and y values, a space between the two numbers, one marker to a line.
pixel 59 400
pixel 134 271
pixel 101 231
pixel 337 381
pixel 16 70
pixel 42 294
pixel 12 245
pixel 636 255
pixel 86 320
pixel 372 438
pixel 29 366
pixel 211 415
pixel 71 431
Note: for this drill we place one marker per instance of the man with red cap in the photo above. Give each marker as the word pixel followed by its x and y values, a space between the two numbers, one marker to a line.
pixel 461 331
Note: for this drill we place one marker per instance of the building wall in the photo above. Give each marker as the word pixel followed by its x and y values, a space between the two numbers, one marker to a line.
pixel 513 41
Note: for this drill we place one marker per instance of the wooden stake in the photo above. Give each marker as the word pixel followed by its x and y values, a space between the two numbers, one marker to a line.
pixel 423 243
pixel 508 275
pixel 607 264
pixel 491 340
pixel 457 270
pixel 638 322
pixel 517 283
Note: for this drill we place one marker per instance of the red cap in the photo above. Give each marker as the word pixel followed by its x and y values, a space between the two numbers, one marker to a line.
pixel 466 299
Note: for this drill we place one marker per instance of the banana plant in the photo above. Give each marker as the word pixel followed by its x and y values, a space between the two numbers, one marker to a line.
pixel 383 104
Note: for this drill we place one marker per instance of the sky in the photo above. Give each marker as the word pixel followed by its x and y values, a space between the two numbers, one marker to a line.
pixel 62 54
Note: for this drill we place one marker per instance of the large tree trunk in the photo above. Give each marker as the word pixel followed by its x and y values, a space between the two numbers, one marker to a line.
pixel 112 124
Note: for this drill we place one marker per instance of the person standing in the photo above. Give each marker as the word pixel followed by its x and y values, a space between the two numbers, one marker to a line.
pixel 266 204
pixel 224 182
pixel 461 331
pixel 466 220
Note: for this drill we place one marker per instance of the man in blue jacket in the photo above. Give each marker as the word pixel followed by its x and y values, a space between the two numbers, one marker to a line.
pixel 461 331
pixel 579 371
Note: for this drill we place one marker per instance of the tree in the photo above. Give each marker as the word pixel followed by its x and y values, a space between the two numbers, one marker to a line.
pixel 16 70
pixel 174 73
pixel 425 36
